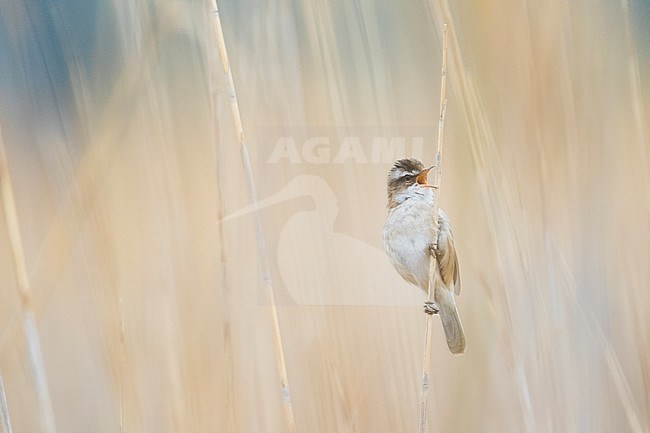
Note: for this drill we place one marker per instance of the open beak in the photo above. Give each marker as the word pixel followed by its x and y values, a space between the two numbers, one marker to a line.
pixel 422 177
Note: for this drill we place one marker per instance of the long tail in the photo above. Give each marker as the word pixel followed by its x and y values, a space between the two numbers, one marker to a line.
pixel 450 320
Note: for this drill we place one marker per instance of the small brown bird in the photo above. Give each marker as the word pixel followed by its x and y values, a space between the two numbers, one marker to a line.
pixel 410 233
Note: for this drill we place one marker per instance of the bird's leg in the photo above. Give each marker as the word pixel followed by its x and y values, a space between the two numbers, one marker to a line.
pixel 434 251
pixel 431 308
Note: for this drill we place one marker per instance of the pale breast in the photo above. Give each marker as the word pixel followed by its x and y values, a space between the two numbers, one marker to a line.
pixel 408 232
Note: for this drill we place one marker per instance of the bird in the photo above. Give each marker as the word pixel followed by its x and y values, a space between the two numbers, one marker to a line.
pixel 412 233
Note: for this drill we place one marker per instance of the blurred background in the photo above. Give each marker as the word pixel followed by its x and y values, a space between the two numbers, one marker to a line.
pixel 137 231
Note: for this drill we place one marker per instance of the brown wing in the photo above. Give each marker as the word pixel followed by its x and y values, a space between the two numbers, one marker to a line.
pixel 447 258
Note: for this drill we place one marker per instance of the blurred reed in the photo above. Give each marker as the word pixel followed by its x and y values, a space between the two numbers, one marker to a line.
pixel 5 419
pixel 259 233
pixel 515 246
pixel 28 320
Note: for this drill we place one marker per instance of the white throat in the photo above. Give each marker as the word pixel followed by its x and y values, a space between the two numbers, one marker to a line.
pixel 415 192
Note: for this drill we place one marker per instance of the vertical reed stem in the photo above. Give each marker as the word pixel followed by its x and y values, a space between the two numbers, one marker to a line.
pixel 259 234
pixel 434 271
pixel 5 420
pixel 25 293
pixel 122 367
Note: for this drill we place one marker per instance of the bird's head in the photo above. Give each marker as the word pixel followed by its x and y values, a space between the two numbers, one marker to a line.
pixel 406 174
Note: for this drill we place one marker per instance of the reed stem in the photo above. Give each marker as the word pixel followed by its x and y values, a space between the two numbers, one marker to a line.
pixel 5 420
pixel 259 234
pixel 434 271
pixel 28 317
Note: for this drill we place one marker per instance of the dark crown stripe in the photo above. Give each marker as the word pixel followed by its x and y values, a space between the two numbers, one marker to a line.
pixel 409 165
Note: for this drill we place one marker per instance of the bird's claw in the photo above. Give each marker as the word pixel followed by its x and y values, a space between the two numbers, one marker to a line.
pixel 431 308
